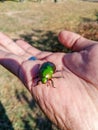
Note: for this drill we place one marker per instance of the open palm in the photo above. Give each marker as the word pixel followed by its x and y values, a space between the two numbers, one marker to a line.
pixel 73 103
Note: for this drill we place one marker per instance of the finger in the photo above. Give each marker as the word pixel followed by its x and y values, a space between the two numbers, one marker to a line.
pixel 3 49
pixel 24 70
pixel 27 47
pixel 74 41
pixel 10 45
pixel 10 61
pixel 83 65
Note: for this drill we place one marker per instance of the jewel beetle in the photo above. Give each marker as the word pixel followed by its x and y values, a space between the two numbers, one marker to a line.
pixel 46 72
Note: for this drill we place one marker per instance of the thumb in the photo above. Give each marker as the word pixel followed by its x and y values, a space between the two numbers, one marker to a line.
pixel 74 41
pixel 83 64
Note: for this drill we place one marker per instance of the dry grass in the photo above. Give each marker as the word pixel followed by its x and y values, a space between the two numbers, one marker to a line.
pixel 19 18
pixel 39 24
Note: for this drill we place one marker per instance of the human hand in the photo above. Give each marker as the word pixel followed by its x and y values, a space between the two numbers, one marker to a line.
pixel 72 104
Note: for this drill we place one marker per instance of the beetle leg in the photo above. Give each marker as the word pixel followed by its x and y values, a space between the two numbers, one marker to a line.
pixel 62 74
pixel 52 83
pixel 48 83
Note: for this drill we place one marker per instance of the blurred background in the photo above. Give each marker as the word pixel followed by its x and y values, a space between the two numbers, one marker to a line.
pixel 38 22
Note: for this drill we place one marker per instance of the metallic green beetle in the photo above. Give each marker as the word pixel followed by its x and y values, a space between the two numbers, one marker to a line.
pixel 46 71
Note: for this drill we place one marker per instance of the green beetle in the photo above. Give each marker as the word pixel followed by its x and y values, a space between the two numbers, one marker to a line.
pixel 46 71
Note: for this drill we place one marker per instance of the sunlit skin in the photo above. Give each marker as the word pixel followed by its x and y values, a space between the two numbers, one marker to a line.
pixel 73 103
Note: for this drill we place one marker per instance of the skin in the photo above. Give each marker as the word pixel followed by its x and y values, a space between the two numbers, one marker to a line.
pixel 73 103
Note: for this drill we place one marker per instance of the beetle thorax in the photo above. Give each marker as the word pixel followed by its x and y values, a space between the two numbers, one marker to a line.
pixel 48 76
